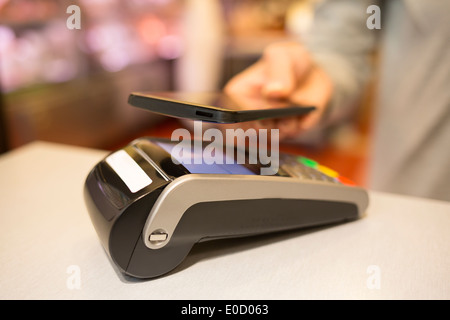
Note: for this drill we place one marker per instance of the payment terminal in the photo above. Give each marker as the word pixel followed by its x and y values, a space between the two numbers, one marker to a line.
pixel 150 211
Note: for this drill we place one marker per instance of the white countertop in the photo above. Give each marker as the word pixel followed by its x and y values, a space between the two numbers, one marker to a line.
pixel 49 248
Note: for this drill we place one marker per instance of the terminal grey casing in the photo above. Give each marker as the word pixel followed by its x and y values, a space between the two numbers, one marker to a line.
pixel 179 209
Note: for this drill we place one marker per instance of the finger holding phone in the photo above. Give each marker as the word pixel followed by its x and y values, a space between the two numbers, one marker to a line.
pixel 284 72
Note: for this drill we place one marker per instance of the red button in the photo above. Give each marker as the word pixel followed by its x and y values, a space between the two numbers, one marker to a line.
pixel 346 181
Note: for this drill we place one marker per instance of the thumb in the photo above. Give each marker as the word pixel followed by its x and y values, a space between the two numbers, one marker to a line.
pixel 286 64
pixel 280 79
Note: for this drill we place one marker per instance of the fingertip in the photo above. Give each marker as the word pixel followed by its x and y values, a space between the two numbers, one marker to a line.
pixel 307 122
pixel 275 90
pixel 289 126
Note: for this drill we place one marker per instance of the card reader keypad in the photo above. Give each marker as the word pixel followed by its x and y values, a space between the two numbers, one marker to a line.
pixel 307 169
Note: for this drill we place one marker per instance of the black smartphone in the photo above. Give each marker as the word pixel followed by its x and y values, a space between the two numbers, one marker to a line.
pixel 214 107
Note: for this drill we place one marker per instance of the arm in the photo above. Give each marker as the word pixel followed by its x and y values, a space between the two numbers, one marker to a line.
pixel 340 44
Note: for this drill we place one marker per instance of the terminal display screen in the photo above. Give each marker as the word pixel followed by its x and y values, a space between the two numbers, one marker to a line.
pixel 218 162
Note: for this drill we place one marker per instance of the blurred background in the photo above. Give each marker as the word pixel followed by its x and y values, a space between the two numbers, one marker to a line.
pixel 71 85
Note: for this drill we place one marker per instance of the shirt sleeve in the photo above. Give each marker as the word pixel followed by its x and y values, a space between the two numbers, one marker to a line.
pixel 341 44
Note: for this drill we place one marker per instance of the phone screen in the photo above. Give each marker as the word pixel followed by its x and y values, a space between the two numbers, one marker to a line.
pixel 207 99
pixel 218 100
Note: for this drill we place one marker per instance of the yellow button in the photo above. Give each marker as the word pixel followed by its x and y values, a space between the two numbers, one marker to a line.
pixel 328 171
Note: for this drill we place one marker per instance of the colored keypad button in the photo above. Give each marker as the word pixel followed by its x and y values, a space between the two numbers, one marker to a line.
pixel 307 162
pixel 346 181
pixel 329 172
pixel 325 173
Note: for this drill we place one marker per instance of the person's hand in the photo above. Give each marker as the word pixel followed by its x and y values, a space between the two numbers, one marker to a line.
pixel 285 72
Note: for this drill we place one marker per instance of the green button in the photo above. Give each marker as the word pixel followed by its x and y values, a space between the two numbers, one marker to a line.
pixel 307 162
